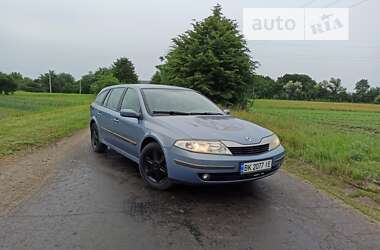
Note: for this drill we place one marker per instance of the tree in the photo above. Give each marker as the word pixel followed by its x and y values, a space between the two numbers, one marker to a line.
pixel 306 84
pixel 7 84
pixel 43 80
pixel 361 90
pixel 69 85
pixel 86 82
pixel 32 86
pixel 103 78
pixel 21 81
pixel 156 78
pixel 212 58
pixel 266 87
pixel 293 90
pixel 16 77
pixel 373 93
pixel 60 83
pixel 338 92
pixel 124 70
pixel 323 90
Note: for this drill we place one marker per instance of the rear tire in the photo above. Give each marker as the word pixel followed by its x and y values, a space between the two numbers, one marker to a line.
pixel 96 145
pixel 153 168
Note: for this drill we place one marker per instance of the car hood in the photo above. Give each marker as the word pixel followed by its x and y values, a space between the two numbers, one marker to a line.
pixel 216 127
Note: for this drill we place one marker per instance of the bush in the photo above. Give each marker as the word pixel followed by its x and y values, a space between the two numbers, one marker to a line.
pixel 7 85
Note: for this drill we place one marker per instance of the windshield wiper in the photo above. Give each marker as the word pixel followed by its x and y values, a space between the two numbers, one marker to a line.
pixel 170 112
pixel 206 113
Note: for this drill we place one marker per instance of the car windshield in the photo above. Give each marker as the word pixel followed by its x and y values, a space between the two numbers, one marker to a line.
pixel 178 102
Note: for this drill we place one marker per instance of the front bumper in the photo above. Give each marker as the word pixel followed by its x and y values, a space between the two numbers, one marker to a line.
pixel 187 167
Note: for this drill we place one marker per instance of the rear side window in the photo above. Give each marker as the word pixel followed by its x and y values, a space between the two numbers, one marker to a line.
pixel 114 98
pixel 100 98
pixel 131 101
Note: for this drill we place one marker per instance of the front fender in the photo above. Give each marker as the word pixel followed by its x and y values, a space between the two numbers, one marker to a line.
pixel 155 137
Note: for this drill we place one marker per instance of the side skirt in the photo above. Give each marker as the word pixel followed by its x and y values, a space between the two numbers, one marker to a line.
pixel 122 152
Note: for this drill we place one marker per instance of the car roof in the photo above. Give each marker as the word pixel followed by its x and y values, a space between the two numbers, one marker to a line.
pixel 146 86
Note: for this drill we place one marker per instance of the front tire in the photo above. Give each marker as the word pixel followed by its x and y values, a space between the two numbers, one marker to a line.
pixel 153 167
pixel 96 145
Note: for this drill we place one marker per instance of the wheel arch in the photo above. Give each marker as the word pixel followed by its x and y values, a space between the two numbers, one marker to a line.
pixel 148 139
pixel 93 121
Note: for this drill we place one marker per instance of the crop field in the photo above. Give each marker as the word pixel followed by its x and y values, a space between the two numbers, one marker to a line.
pixel 341 139
pixel 33 119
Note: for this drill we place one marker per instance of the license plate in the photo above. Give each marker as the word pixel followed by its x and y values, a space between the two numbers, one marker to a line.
pixel 256 166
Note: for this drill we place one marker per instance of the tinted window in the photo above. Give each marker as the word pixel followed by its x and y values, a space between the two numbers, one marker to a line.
pixel 114 98
pixel 131 100
pixel 100 98
pixel 174 100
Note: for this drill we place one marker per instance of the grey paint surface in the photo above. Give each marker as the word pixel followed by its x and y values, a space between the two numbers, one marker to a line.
pixel 100 202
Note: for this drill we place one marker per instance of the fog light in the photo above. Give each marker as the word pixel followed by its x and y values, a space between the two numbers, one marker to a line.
pixel 206 177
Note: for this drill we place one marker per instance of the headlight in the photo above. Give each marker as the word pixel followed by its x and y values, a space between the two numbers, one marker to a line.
pixel 274 142
pixel 207 147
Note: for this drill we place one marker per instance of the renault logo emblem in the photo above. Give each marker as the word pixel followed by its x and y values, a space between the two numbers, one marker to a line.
pixel 250 139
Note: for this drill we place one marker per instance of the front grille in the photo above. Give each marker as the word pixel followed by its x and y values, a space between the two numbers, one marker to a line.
pixel 249 150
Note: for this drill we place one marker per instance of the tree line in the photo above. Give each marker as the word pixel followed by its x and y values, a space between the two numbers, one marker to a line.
pixel 303 87
pixel 121 71
pixel 212 58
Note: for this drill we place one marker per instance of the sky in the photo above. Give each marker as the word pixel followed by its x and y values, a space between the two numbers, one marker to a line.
pixel 77 36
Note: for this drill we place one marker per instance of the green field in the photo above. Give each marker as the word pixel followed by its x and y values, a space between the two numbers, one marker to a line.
pixel 338 138
pixel 28 120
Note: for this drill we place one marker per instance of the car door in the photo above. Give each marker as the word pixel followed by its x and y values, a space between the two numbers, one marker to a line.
pixel 98 110
pixel 131 129
pixel 110 118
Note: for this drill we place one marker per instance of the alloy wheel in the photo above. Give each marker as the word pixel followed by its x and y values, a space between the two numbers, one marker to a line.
pixel 154 166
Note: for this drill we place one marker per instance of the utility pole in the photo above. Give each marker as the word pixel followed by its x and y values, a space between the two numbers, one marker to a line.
pixel 80 86
pixel 50 81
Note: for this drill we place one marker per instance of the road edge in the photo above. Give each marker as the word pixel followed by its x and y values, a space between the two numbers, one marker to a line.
pixel 24 174
pixel 362 201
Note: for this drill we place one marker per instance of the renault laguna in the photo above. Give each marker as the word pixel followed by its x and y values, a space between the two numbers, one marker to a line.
pixel 177 135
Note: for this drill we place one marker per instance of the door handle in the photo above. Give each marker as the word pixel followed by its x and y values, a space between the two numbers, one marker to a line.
pixel 99 113
pixel 116 120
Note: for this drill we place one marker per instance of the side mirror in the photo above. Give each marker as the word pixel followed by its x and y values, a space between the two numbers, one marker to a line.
pixel 227 111
pixel 129 113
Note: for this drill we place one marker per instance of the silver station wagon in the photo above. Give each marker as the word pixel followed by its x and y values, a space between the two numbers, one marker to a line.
pixel 176 134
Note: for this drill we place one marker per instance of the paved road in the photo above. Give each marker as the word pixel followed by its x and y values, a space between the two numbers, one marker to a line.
pixel 100 202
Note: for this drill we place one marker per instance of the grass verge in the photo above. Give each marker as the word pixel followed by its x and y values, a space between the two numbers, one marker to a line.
pixel 334 146
pixel 29 120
